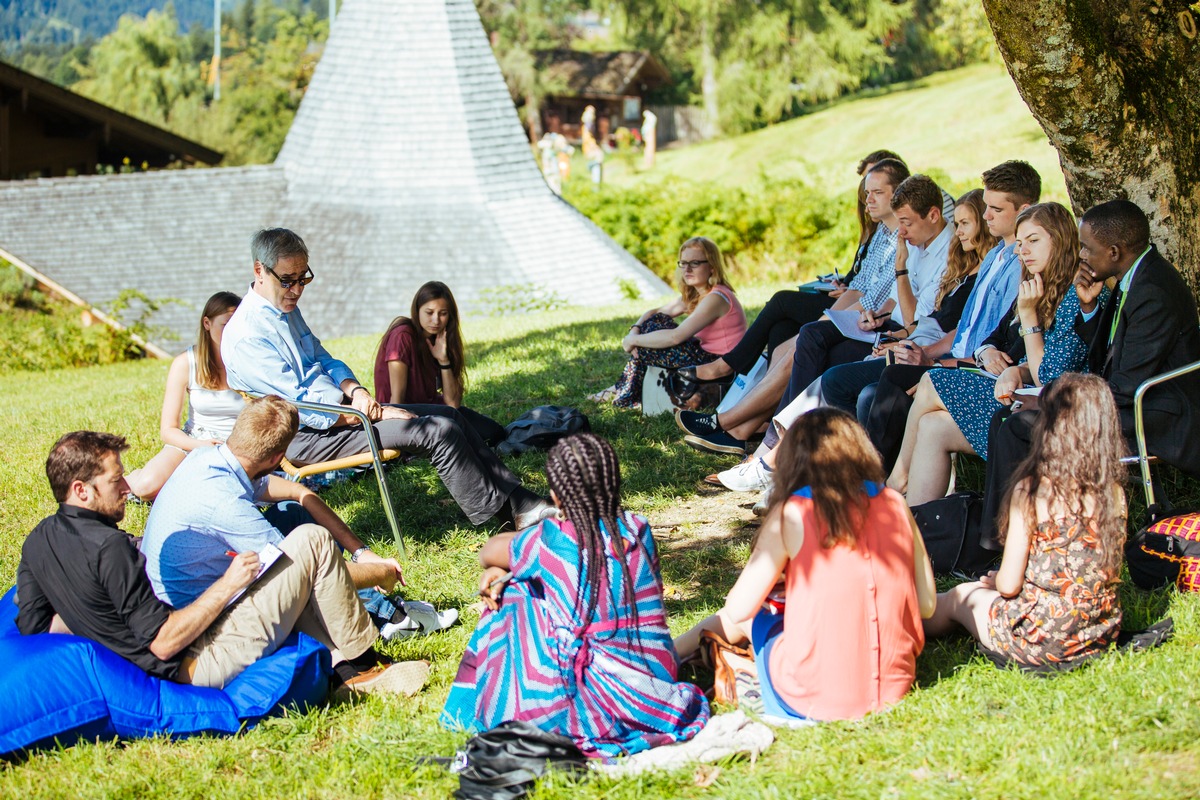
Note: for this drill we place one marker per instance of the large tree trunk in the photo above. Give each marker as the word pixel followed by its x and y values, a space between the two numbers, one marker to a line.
pixel 1116 86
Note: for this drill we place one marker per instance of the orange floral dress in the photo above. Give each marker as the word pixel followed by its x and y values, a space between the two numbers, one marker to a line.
pixel 1068 608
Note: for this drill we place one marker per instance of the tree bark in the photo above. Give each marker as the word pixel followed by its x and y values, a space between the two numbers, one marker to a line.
pixel 1116 86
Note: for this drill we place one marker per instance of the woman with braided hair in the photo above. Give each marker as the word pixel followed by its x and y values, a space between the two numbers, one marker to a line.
pixel 574 638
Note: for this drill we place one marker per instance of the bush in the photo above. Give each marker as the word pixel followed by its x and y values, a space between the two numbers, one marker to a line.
pixel 773 230
pixel 41 333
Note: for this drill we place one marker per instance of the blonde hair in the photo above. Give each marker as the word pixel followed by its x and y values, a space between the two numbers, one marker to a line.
pixel 264 429
pixel 961 263
pixel 1059 274
pixel 716 262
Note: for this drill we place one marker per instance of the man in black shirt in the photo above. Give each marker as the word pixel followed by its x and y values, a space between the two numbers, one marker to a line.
pixel 80 573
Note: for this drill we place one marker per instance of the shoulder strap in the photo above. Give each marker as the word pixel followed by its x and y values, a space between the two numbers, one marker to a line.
pixel 191 354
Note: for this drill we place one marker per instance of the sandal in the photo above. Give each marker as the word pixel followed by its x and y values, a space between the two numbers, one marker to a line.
pixel 604 395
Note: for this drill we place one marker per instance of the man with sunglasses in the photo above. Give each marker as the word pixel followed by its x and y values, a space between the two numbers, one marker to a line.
pixel 268 349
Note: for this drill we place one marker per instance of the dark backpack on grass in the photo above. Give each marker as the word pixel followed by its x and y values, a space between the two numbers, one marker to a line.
pixel 505 762
pixel 951 527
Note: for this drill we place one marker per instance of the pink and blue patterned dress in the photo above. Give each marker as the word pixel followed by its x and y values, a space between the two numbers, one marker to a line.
pixel 607 684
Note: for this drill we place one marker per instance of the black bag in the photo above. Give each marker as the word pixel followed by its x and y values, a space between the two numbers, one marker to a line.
pixel 696 395
pixel 951 527
pixel 504 763
pixel 539 428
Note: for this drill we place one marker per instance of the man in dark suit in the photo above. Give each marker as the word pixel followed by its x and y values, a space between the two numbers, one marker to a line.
pixel 1147 327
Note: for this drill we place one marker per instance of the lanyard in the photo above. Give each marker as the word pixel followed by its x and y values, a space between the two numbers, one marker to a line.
pixel 1112 331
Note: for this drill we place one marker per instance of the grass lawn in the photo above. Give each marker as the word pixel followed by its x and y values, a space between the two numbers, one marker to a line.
pixel 1128 726
pixel 952 124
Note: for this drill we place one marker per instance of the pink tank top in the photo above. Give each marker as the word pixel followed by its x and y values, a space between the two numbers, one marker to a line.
pixel 721 335
pixel 852 623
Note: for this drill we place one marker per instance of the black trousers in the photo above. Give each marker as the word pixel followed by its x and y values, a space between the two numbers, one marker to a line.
pixel 473 474
pixel 888 415
pixel 780 320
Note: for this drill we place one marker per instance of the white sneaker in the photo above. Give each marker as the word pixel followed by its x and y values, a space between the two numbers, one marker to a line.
pixel 421 617
pixel 750 476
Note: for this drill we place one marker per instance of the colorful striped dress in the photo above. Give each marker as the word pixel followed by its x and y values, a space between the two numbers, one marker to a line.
pixel 606 684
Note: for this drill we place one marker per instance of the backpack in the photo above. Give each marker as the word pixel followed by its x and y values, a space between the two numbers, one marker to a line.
pixel 539 428
pixel 951 527
pixel 504 762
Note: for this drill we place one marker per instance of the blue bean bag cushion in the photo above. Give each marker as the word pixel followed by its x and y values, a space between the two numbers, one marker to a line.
pixel 66 688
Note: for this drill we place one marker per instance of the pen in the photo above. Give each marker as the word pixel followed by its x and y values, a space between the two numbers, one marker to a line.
pixel 231 553
pixel 503 579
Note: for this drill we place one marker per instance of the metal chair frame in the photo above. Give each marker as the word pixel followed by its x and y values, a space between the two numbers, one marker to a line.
pixel 1143 458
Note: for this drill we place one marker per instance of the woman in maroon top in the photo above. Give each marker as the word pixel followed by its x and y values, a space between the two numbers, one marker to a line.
pixel 420 359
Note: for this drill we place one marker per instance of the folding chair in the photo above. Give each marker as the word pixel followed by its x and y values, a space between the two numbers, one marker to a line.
pixel 374 456
pixel 1143 458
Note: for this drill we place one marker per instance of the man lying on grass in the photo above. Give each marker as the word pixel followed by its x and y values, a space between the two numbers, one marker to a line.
pixel 80 573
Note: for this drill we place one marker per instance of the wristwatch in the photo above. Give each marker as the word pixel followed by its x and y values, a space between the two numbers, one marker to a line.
pixel 355 555
pixel 1031 329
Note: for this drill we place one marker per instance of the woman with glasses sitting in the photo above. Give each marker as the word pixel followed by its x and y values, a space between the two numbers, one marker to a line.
pixel 715 323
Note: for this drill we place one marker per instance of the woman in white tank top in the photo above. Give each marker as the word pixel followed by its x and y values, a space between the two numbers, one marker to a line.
pixel 196 379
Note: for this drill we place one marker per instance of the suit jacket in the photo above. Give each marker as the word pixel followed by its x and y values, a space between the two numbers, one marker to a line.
pixel 1157 331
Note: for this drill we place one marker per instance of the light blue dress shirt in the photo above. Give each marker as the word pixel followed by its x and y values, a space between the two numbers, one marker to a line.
pixel 208 507
pixel 269 352
pixel 993 295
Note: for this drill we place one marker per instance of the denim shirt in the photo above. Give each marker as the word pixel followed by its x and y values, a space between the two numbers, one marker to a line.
pixel 994 293
pixel 269 352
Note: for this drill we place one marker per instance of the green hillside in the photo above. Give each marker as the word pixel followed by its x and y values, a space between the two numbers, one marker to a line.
pixel 955 124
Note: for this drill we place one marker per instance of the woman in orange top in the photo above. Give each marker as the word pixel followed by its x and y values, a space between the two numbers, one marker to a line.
pixel 857 581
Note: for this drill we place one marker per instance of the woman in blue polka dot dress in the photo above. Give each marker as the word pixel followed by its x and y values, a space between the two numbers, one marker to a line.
pixel 1034 345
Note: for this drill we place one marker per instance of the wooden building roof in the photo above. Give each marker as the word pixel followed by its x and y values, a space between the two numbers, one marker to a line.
pixel 602 75
pixel 45 129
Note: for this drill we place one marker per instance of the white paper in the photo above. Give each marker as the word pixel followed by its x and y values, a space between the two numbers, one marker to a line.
pixel 847 325
pixel 267 556
pixel 1029 391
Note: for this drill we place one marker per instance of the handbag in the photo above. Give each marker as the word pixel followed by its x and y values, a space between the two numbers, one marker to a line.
pixel 504 763
pixel 727 661
pixel 951 527
pixel 1176 539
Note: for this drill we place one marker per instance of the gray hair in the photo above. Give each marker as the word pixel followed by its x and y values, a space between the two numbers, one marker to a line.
pixel 271 244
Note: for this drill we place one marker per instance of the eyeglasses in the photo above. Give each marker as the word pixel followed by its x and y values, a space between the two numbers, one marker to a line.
pixel 690 265
pixel 303 280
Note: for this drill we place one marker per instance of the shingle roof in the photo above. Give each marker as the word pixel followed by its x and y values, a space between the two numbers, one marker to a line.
pixel 611 74
pixel 406 162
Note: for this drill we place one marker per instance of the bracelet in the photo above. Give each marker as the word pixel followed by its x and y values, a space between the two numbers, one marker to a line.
pixel 1027 331
pixel 355 389
pixel 637 328
pixel 901 272
pixel 354 556
pixel 446 366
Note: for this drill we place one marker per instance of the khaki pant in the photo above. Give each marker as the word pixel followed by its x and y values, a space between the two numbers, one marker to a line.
pixel 307 589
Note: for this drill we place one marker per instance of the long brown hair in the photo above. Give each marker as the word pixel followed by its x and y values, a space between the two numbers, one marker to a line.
pixel 1059 274
pixel 962 263
pixel 1076 458
pixel 208 358
pixel 712 253
pixel 433 290
pixel 827 450
pixel 866 225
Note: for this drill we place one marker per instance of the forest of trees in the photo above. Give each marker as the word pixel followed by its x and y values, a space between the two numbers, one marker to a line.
pixel 747 63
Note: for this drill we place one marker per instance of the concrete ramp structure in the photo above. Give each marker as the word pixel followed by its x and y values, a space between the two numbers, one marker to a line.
pixel 406 162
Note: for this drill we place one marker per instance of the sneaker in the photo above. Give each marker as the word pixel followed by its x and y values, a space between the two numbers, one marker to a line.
pixel 604 395
pixel 404 677
pixel 719 442
pixel 421 617
pixel 750 476
pixel 695 423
